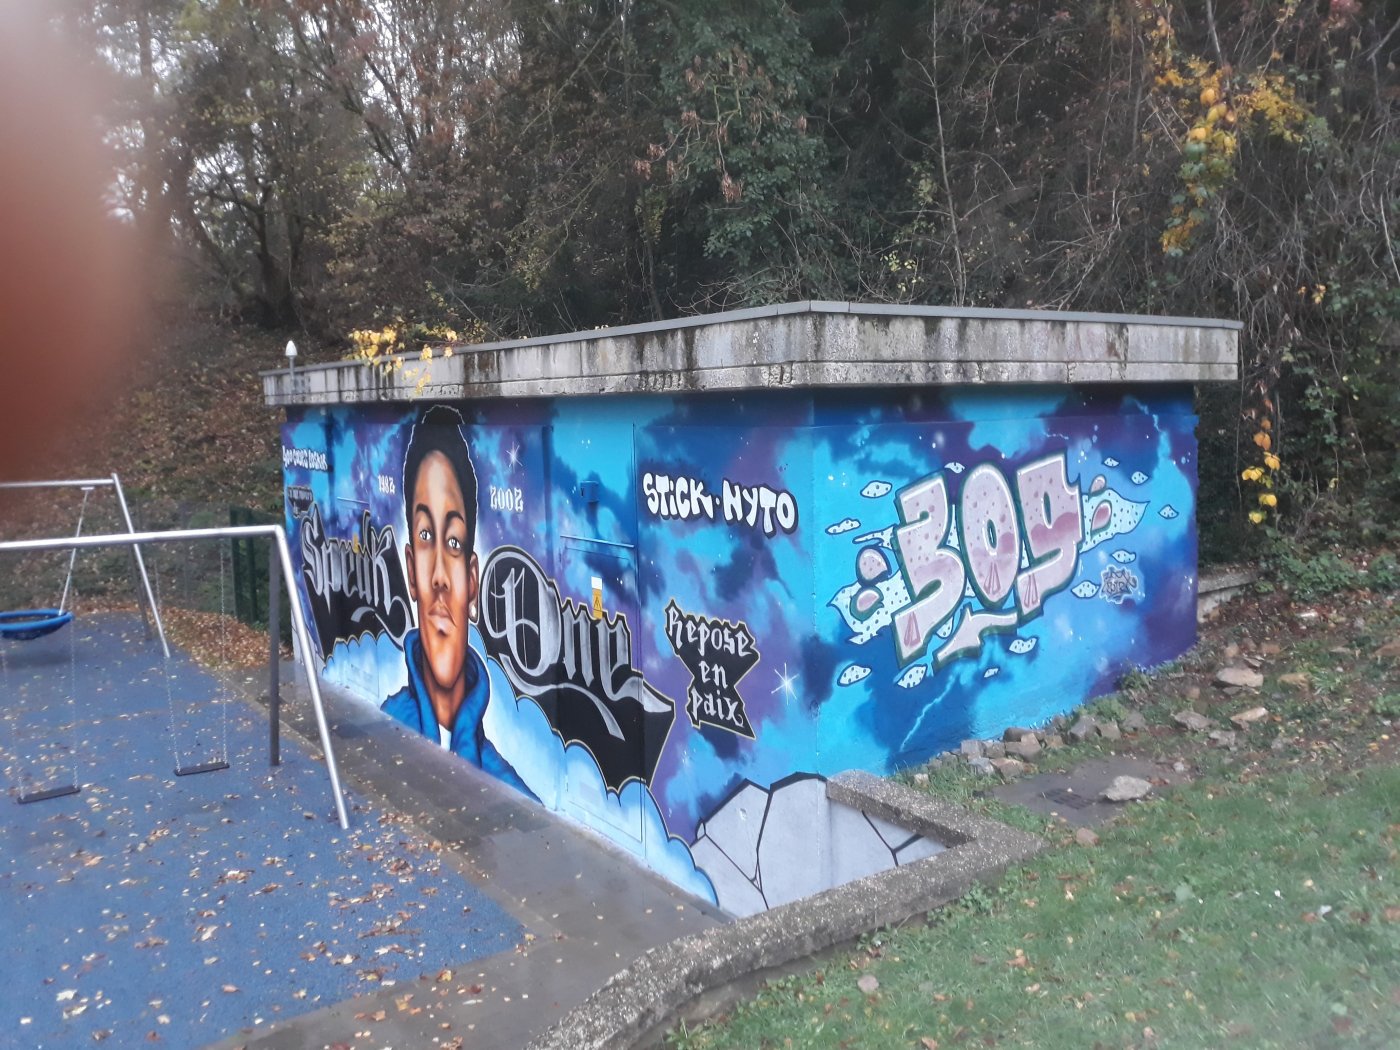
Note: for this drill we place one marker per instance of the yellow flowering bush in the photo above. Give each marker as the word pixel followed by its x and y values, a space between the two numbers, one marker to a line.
pixel 1263 476
pixel 384 349
pixel 1214 105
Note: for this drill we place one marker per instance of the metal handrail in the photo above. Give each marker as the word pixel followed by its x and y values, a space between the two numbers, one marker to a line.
pixel 284 561
pixel 116 483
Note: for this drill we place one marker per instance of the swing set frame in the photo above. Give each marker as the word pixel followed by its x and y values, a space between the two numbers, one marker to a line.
pixel 89 484
pixel 280 576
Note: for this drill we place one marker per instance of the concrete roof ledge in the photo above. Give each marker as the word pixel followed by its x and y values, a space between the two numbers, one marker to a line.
pixel 797 345
pixel 707 970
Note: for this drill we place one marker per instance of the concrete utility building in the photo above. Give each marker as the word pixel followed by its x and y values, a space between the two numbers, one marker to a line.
pixel 668 578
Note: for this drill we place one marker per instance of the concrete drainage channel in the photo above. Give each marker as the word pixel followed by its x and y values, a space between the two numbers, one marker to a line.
pixel 701 974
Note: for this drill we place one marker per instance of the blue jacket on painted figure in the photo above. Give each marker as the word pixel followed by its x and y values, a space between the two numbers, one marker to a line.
pixel 411 706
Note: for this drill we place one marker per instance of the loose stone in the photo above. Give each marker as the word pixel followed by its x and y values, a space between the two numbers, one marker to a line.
pixel 1134 722
pixel 1239 677
pixel 1025 747
pixel 1247 718
pixel 1082 730
pixel 1009 768
pixel 1192 720
pixel 1127 789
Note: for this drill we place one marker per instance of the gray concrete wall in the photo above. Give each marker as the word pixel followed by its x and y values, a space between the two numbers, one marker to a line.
pixel 799 345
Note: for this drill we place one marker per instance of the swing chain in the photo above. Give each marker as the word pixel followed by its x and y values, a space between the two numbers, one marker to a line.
pixel 169 692
pixel 73 555
pixel 223 632
pixel 24 779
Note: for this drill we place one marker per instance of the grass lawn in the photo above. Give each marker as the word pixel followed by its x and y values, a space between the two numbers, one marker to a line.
pixel 1261 914
pixel 1257 907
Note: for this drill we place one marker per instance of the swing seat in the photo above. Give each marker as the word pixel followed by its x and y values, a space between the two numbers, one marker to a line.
pixel 24 625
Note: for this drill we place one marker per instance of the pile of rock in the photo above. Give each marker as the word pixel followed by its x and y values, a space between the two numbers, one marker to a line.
pixel 1018 748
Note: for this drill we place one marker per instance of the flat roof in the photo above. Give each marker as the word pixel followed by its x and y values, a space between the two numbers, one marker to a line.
pixel 793 346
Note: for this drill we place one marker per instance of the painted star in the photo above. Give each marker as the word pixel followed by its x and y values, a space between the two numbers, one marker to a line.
pixel 786 682
pixel 514 456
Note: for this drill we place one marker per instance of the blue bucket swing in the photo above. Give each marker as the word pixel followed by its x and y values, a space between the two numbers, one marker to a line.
pixel 25 625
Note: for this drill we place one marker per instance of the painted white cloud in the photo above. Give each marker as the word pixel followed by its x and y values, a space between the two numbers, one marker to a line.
pixel 894 595
pixel 1021 646
pixel 370 667
pixel 1168 512
pixel 1106 516
pixel 842 526
pixel 876 489
pixel 884 537
pixel 522 735
pixel 1124 557
pixel 1087 589
pixel 912 676
pixel 853 673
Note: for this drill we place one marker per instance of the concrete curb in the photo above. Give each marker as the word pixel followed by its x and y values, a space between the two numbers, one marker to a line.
pixel 1215 589
pixel 655 990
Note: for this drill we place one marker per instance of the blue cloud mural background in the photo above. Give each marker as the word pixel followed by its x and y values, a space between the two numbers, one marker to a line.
pixel 563 480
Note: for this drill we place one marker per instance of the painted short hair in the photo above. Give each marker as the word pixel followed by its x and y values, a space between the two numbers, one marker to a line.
pixel 439 429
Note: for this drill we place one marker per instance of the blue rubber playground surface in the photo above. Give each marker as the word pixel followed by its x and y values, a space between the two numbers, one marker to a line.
pixel 151 909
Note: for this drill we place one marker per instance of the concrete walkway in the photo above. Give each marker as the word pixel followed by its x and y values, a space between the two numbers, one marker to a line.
pixel 588 909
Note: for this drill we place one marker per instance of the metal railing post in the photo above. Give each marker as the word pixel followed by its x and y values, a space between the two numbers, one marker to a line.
pixel 274 658
pixel 304 638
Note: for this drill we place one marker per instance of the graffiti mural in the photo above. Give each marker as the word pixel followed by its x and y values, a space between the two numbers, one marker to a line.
pixel 757 506
pixel 674 629
pixel 717 653
pixel 354 586
pixel 575 662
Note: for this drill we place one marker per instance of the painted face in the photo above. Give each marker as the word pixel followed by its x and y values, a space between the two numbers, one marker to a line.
pixel 442 574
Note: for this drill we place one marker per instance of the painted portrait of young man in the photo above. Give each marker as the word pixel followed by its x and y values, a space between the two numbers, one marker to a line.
pixel 448 688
